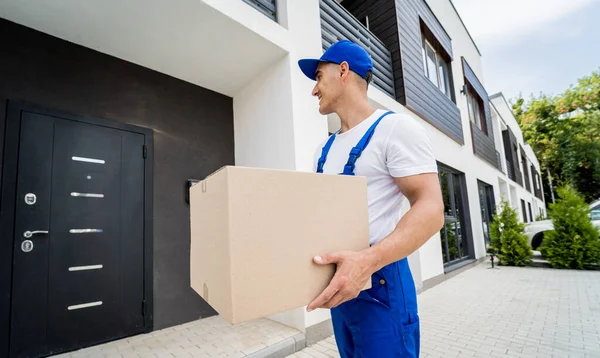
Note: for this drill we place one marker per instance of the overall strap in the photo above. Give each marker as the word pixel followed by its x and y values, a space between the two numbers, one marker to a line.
pixel 362 144
pixel 324 153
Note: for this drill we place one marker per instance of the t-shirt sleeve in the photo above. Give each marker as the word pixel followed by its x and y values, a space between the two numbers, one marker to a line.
pixel 408 150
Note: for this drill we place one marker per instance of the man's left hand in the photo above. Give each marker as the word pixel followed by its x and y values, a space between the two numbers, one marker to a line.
pixel 353 271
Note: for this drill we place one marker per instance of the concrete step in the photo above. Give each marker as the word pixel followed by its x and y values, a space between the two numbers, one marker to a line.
pixel 539 261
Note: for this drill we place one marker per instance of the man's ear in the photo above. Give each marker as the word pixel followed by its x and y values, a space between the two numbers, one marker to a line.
pixel 344 69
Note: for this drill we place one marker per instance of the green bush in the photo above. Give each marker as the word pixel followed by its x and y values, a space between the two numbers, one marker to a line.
pixel 508 238
pixel 574 243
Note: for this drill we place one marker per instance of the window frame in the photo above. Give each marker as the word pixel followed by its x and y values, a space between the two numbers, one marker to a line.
pixel 425 46
pixel 447 91
pixel 525 172
pixel 524 211
pixel 458 197
pixel 473 98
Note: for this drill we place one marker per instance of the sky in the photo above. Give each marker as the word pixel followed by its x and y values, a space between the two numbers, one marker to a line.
pixel 533 46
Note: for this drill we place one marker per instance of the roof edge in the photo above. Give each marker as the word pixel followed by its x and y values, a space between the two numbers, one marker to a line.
pixel 465 26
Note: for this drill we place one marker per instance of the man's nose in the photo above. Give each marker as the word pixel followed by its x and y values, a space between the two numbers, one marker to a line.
pixel 315 91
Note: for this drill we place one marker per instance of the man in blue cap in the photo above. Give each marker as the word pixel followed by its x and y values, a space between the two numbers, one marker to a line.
pixel 393 152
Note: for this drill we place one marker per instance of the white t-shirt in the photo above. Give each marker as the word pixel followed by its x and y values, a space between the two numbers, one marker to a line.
pixel 399 147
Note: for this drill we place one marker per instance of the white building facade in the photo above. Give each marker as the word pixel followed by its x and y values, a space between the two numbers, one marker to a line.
pixel 426 65
pixel 525 195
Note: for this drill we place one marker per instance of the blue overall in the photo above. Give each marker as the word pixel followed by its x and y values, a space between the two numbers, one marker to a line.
pixel 382 321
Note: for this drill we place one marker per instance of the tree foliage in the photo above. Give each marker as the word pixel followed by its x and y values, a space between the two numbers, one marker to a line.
pixel 508 238
pixel 574 242
pixel 564 132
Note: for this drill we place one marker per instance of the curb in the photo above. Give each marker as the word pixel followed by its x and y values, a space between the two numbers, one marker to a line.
pixel 282 349
pixel 540 263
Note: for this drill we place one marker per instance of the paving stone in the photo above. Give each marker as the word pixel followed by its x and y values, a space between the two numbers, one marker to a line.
pixel 511 312
pixel 210 337
pixel 320 348
pixel 314 353
pixel 508 312
pixel 332 353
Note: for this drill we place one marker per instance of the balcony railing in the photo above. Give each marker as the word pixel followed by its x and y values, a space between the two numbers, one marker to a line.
pixel 339 24
pixel 267 7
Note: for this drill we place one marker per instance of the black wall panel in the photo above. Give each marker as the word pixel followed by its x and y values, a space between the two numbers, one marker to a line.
pixel 193 136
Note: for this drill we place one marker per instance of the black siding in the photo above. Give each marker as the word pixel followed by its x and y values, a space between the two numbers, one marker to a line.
pixel 525 169
pixel 512 157
pixel 482 148
pixel 536 177
pixel 337 23
pixel 397 23
pixel 538 192
pixel 422 10
pixel 420 95
pixel 193 136
pixel 382 23
pixel 483 144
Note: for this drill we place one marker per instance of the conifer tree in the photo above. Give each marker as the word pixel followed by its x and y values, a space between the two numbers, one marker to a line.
pixel 574 242
pixel 508 238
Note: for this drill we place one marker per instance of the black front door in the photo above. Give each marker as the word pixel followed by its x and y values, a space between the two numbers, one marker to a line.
pixel 487 207
pixel 78 260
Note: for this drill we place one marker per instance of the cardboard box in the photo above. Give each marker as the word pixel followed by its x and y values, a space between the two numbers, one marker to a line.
pixel 255 231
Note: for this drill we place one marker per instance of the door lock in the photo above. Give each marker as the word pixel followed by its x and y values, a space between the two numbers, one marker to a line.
pixel 27 246
pixel 30 198
pixel 29 234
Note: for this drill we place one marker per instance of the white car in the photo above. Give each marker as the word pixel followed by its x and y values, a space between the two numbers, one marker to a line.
pixel 535 230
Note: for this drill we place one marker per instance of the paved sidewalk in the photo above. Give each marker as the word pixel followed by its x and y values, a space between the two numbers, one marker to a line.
pixel 209 337
pixel 506 312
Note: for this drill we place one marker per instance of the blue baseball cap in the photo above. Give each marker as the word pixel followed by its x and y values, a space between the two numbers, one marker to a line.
pixel 358 59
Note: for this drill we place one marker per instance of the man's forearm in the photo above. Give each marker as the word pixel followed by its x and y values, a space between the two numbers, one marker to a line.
pixel 418 225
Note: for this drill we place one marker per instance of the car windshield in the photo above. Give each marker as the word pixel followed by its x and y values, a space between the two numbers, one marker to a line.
pixel 595 212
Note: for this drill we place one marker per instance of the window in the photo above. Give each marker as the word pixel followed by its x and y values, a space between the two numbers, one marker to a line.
pixel 454 236
pixel 475 109
pixel 524 210
pixel 531 218
pixel 444 77
pixel 436 68
pixel 517 166
pixel 430 62
pixel 488 209
pixel 525 171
